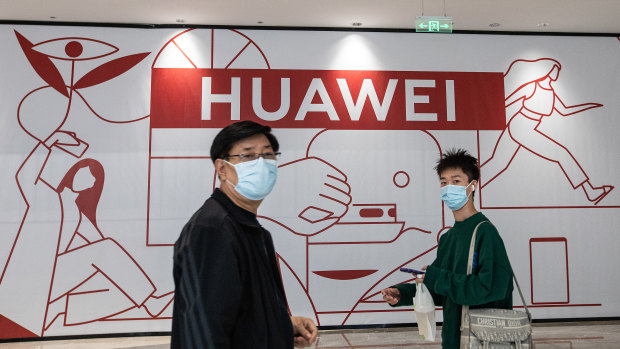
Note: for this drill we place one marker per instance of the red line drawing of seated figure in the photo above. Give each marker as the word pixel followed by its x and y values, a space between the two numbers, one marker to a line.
pixel 530 98
pixel 60 262
pixel 94 276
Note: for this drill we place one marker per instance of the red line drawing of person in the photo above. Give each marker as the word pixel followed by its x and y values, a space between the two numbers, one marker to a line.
pixel 72 268
pixel 86 255
pixel 27 274
pixel 530 98
pixel 60 263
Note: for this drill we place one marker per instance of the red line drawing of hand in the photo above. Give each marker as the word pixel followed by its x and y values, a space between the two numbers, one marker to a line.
pixel 68 142
pixel 530 98
pixel 320 205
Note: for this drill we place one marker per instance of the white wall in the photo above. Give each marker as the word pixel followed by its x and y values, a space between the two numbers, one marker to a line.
pixel 334 260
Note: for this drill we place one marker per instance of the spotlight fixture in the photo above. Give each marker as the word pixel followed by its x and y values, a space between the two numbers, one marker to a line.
pixel 357 24
pixel 543 24
pixel 180 20
pixel 494 25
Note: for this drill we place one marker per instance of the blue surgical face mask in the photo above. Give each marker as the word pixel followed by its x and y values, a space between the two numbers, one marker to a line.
pixel 256 178
pixel 455 196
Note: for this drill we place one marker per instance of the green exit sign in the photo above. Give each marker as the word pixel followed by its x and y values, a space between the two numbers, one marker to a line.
pixel 428 24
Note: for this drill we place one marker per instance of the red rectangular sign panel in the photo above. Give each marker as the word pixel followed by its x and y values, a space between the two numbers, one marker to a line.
pixel 335 99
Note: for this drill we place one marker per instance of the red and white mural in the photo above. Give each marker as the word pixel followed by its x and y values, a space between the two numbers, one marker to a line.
pixel 105 148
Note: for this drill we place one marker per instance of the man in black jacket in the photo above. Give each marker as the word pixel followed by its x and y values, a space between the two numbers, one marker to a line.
pixel 229 293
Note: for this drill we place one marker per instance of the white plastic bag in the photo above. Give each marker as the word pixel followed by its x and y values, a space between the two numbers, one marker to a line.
pixel 424 308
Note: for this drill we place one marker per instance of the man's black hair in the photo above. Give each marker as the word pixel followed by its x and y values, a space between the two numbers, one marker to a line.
pixel 233 133
pixel 461 159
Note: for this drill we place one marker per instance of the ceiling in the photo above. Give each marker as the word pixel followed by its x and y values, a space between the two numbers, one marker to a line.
pixel 558 16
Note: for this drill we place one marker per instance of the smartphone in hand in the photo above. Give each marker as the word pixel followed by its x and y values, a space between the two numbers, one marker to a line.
pixel 412 271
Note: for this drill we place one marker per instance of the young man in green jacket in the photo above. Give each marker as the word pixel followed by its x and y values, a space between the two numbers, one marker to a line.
pixel 490 284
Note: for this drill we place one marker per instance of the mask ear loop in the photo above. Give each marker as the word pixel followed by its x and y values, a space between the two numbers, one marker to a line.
pixel 472 191
pixel 227 180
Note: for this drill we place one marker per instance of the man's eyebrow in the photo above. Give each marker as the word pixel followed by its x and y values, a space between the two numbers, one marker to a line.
pixel 253 147
pixel 454 176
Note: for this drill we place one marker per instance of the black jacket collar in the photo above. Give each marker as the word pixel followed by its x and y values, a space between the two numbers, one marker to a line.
pixel 242 216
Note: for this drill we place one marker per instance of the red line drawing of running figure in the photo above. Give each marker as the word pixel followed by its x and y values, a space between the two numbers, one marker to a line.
pixel 529 90
pixel 60 262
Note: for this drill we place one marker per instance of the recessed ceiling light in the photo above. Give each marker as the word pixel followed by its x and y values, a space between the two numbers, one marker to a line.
pixel 180 20
pixel 543 24
pixel 356 24
pixel 260 22
pixel 53 17
pixel 494 25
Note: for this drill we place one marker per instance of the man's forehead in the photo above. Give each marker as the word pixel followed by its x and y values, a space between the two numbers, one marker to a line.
pixel 259 141
pixel 453 172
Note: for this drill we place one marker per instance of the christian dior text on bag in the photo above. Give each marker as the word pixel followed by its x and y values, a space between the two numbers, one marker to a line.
pixel 495 328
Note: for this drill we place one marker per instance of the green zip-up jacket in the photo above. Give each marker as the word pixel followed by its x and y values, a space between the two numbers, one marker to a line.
pixel 489 285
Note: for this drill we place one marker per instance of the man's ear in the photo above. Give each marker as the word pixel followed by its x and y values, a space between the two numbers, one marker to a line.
pixel 220 170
